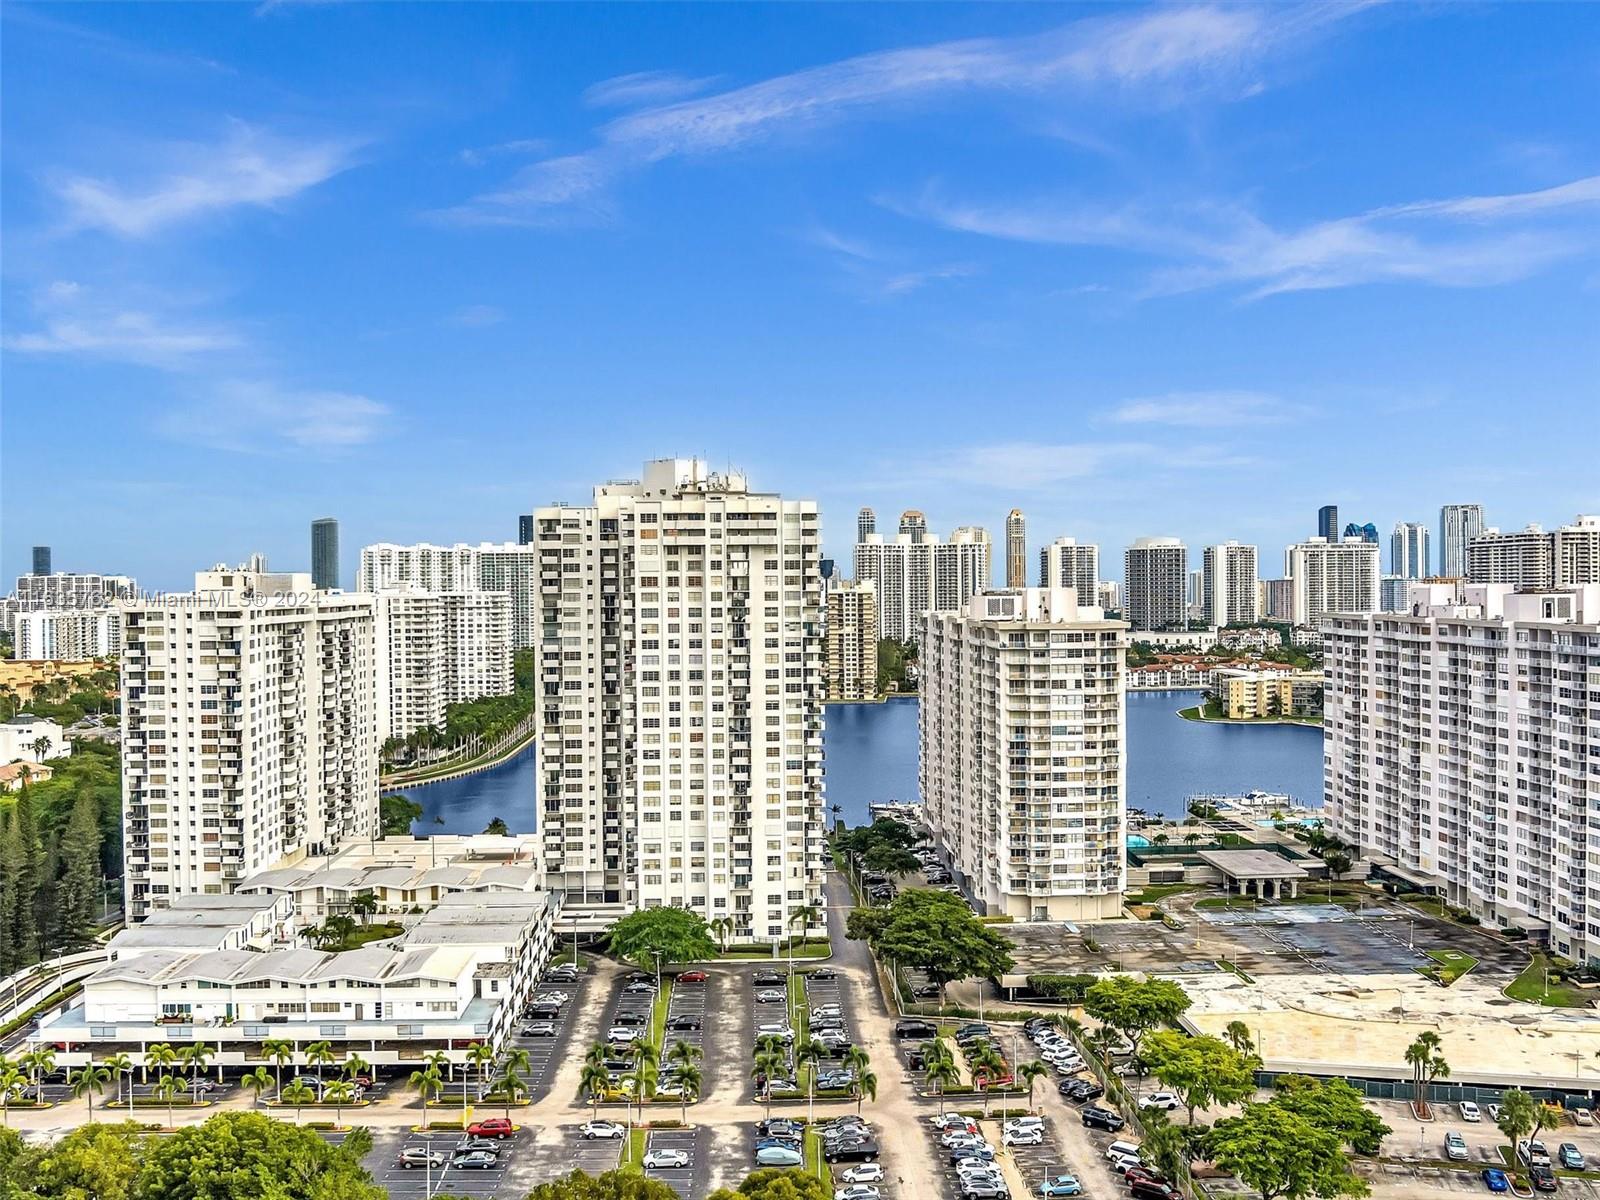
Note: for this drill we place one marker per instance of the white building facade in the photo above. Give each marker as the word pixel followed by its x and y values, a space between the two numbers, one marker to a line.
pixel 1332 577
pixel 1461 746
pixel 681 667
pixel 250 731
pixel 851 660
pixel 1065 563
pixel 1022 755
pixel 1458 525
pixel 917 573
pixel 511 568
pixel 1230 591
pixel 1524 557
pixel 68 634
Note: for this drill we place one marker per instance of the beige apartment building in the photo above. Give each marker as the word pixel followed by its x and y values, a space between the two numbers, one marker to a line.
pixel 850 664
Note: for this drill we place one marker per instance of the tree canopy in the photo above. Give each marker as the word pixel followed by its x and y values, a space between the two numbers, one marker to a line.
pixel 667 934
pixel 613 1185
pixel 936 932
pixel 773 1183
pixel 885 831
pixel 1333 1105
pixel 1282 1154
pixel 396 813
pixel 1202 1070
pixel 1133 1007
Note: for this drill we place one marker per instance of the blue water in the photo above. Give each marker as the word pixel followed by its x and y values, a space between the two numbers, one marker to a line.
pixel 872 756
pixel 1135 842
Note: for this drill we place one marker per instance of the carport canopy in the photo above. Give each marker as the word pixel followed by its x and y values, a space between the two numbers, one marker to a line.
pixel 1260 872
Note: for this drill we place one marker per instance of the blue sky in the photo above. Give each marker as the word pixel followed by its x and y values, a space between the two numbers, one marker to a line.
pixel 1166 270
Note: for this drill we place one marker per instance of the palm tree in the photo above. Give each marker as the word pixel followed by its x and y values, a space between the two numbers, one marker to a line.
pixel 1028 1072
pixel 689 1079
pixel 866 1089
pixel 721 927
pixel 159 1058
pixel 1160 839
pixel 809 1054
pixel 857 1059
pixel 167 1086
pixel 299 1093
pixel 440 1062
pixel 482 1055
pixel 426 1083
pixel 279 1051
pixel 40 1061
pixel 595 1079
pixel 355 1065
pixel 805 916
pixel 1192 837
pixel 257 1081
pixel 511 1086
pixel 320 1054
pixel 1165 1145
pixel 11 1081
pixel 941 1072
pixel 986 1065
pixel 1237 1035
pixel 194 1057
pixel 1427 1063
pixel 91 1078
pixel 364 904
pixel 120 1065
pixel 341 1092
pixel 646 1071
pixel 768 1064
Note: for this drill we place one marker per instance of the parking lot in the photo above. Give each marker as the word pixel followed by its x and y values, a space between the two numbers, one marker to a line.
pixel 558 1151
pixel 631 1003
pixel 511 1177
pixel 687 1006
pixel 772 1011
pixel 1045 1161
pixel 690 1180
pixel 546 1053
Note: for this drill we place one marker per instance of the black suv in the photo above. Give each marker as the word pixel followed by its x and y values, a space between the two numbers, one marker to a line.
pixel 851 1150
pixel 1079 1090
pixel 914 1029
pixel 1102 1118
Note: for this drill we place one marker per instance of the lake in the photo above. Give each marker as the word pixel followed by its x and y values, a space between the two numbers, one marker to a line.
pixel 872 756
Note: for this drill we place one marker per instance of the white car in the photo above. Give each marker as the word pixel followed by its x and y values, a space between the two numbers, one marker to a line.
pixel 781 1032
pixel 952 1120
pixel 601 1129
pixel 665 1158
pixel 1162 1100
pixel 1016 1123
pixel 1024 1137
pixel 623 1033
pixel 864 1173
pixel 856 1191
pixel 551 998
pixel 1469 1111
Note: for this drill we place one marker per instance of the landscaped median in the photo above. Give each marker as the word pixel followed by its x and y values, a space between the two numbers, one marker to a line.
pixel 1449 966
pixel 1541 982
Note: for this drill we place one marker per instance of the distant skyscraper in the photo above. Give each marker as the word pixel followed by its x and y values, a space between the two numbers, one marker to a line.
pixel 1458 525
pixel 866 526
pixel 1577 552
pixel 525 529
pixel 1333 577
pixel 41 560
pixel 1064 563
pixel 1408 550
pixel 1155 577
pixel 1229 591
pixel 1328 522
pixel 917 572
pixel 1017 550
pixel 1367 532
pixel 915 524
pixel 325 554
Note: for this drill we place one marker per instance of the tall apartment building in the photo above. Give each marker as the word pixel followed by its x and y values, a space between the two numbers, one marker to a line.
pixel 1328 522
pixel 1367 532
pixel 509 567
pixel 1332 577
pixel 72 590
pixel 1277 599
pixel 680 748
pixel 914 524
pixel 1460 745
pixel 41 560
pixel 525 529
pixel 1229 578
pixel 68 635
pixel 1109 594
pixel 1524 557
pixel 866 522
pixel 1155 572
pixel 1408 551
pixel 850 662
pixel 1576 551
pixel 325 553
pixel 435 649
pixel 918 573
pixel 1016 549
pixel 1022 762
pixel 1458 525
pixel 250 731
pixel 1392 591
pixel 1064 563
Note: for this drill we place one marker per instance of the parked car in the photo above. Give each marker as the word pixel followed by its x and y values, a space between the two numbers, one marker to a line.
pixel 1148 1189
pixel 538 1029
pixel 692 977
pixel 471 1143
pixel 492 1127
pixel 602 1129
pixel 1570 1157
pixel 952 1120
pixel 914 1029
pixel 1469 1111
pixel 1455 1146
pixel 669 1159
pixel 630 1017
pixel 622 1034
pixel 767 978
pixel 1023 1123
pixel 1542 1178
pixel 864 1173
pixel 852 1150
pixel 779 1125
pixel 1533 1153
pixel 639 987
pixel 1165 1101
pixel 1494 1113
pixel 1080 1090
pixel 771 996
pixel 1061 1185
pixel 775 1029
pixel 779 1156
pixel 475 1160
pixel 1121 1149
pixel 683 1021
pixel 856 1191
pixel 822 973
pixel 1582 1116
pixel 985 1189
pixel 1032 1136
pixel 1101 1118
pixel 420 1156
pixel 1495 1180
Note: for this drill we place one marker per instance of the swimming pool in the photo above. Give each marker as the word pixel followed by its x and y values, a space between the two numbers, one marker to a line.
pixel 1135 842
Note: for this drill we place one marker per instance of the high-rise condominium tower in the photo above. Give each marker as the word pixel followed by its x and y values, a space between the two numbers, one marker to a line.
pixel 1576 550
pixel 435 649
pixel 41 560
pixel 1024 785
pixel 250 731
pixel 1016 549
pixel 1460 745
pixel 1408 550
pixel 917 573
pixel 525 529
pixel 325 553
pixel 1154 581
pixel 912 522
pixel 1064 563
pixel 1367 532
pixel 1332 577
pixel 851 660
pixel 509 567
pixel 1568 557
pixel 866 526
pixel 1458 525
pixel 1230 595
pixel 1328 522
pixel 680 749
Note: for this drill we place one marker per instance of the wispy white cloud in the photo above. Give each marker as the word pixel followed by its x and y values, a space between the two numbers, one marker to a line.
pixel 1469 241
pixel 1045 466
pixel 477 156
pixel 476 316
pixel 249 167
pixel 880 272
pixel 1205 410
pixel 74 320
pixel 1165 53
pixel 644 87
pixel 256 417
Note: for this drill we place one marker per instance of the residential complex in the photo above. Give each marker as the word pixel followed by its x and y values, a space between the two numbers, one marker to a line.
pixel 1253 694
pixel 850 662
pixel 918 573
pixel 681 672
pixel 1017 549
pixel 68 634
pixel 1331 577
pixel 1409 550
pixel 1064 563
pixel 1022 765
pixel 1229 591
pixel 1458 525
pixel 435 649
pixel 250 731
pixel 1531 557
pixel 1461 749
pixel 1155 574
pixel 44 592
pixel 325 553
pixel 509 567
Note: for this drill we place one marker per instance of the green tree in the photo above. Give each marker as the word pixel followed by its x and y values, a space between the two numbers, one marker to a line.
pixel 1202 1070
pixel 427 1083
pixel 93 1162
pixel 1337 862
pixel 166 1090
pixel 654 937
pixel 339 1092
pixel 87 1082
pixel 364 904
pixel 397 813
pixel 1030 1073
pixel 257 1080
pixel 1521 1116
pixel 79 892
pixel 159 1057
pixel 1281 1154
pixel 11 1082
pixel 1237 1035
pixel 621 1184
pixel 121 1065
pixel 1133 1007
pixel 1427 1064
pixel 866 1088
pixel 194 1058
pixel 300 1093
pixel 319 1055
pixel 249 1156
pixel 1165 1146
pixel 511 1087
pixel 939 1068
pixel 278 1051
pixel 498 827
pixel 776 1183
pixel 937 933
pixel 890 860
pixel 1335 1106
pixel 689 1079
pixel 594 1079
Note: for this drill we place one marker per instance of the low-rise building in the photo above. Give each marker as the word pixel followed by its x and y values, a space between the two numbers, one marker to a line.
pixel 29 738
pixel 1252 694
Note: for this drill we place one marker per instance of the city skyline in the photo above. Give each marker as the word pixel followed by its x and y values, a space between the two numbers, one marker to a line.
pixel 280 282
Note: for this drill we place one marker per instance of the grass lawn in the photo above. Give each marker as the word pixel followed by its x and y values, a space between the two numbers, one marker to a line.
pixel 815 1163
pixel 1314 893
pixel 800 1022
pixel 810 948
pixel 362 934
pixel 633 1149
pixel 1159 892
pixel 658 1014
pixel 1452 965
pixel 1530 986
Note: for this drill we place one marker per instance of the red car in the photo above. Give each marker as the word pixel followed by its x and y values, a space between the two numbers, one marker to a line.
pixel 692 977
pixel 494 1127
